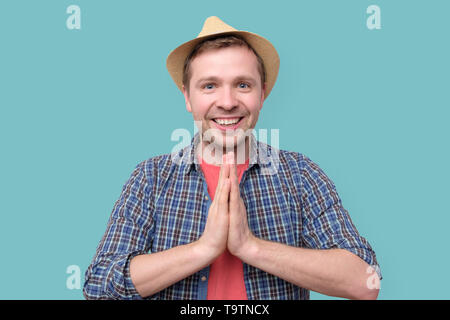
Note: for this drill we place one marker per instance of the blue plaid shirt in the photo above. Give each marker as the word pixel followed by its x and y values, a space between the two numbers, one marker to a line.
pixel 165 203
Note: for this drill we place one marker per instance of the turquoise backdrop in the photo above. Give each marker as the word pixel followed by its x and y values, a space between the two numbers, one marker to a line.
pixel 79 109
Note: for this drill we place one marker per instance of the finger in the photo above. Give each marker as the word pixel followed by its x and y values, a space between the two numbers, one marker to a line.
pixel 234 189
pixel 224 195
pixel 226 177
pixel 221 178
pixel 225 167
pixel 233 172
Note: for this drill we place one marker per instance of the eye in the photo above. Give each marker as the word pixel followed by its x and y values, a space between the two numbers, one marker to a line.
pixel 244 85
pixel 208 86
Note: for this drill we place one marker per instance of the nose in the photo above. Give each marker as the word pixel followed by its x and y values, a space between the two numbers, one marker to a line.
pixel 227 99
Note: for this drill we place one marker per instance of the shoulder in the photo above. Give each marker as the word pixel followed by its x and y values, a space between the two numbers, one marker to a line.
pixel 299 167
pixel 154 163
pixel 154 166
pixel 293 161
pixel 160 167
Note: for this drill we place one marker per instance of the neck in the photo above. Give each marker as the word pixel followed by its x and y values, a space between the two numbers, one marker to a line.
pixel 212 153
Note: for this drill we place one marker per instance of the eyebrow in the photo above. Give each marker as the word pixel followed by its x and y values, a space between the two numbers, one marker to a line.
pixel 216 79
pixel 212 78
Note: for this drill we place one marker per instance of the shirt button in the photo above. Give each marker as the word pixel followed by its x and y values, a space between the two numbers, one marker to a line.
pixel 203 278
pixel 206 198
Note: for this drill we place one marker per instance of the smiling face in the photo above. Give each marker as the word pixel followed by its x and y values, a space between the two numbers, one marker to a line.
pixel 225 96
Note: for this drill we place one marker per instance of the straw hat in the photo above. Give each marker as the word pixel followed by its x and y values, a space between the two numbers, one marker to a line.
pixel 213 27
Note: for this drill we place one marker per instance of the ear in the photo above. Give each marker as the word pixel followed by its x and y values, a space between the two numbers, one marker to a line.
pixel 263 95
pixel 186 99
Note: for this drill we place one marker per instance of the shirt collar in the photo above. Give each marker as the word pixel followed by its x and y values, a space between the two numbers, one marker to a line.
pixel 187 158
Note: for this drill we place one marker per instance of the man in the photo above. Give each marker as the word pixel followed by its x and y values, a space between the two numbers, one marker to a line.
pixel 229 217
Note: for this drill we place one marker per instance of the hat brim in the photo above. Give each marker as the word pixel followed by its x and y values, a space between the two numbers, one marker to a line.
pixel 265 49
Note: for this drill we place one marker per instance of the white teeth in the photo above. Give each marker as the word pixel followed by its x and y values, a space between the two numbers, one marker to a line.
pixel 227 122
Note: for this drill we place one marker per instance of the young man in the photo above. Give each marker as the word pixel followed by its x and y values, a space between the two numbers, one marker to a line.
pixel 229 217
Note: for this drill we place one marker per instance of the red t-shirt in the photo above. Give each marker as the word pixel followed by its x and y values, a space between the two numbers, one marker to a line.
pixel 226 273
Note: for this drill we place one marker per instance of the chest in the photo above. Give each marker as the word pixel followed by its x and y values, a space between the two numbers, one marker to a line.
pixel 182 205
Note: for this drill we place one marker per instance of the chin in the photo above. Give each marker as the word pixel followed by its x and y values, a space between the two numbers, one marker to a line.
pixel 222 144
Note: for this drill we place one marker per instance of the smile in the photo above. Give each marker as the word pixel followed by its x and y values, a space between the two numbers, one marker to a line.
pixel 227 124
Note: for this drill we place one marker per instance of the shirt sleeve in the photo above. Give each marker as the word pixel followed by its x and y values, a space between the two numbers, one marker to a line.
pixel 127 235
pixel 326 223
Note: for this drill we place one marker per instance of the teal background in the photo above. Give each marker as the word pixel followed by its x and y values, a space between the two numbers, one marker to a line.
pixel 79 109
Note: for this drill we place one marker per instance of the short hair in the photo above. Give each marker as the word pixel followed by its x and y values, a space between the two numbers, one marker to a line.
pixel 218 43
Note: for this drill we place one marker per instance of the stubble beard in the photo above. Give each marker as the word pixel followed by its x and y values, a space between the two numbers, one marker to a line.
pixel 216 143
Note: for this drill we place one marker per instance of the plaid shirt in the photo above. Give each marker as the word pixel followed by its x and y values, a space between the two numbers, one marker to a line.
pixel 165 203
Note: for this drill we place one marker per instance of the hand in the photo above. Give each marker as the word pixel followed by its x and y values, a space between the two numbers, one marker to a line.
pixel 240 237
pixel 214 237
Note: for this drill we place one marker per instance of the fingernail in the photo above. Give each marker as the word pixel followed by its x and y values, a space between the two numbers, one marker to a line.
pixel 230 157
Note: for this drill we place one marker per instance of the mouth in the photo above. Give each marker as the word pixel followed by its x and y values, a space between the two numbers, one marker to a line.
pixel 227 124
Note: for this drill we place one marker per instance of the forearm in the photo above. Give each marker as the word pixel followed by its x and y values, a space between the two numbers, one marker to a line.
pixel 151 273
pixel 334 272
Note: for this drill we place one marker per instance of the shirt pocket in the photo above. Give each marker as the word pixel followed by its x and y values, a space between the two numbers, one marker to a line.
pixel 270 218
pixel 178 221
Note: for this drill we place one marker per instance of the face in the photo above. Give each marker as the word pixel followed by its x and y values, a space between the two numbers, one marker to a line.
pixel 225 96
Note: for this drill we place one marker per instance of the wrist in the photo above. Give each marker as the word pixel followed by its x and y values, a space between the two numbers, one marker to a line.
pixel 204 251
pixel 249 251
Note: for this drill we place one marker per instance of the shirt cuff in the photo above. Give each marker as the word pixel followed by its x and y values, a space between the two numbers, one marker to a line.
pixel 369 257
pixel 119 284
